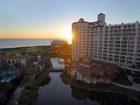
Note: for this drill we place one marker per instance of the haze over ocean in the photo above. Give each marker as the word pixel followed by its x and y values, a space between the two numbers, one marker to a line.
pixel 12 43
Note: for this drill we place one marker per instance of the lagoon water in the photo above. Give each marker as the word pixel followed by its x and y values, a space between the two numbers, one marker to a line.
pixel 57 92
pixel 56 63
pixel 12 43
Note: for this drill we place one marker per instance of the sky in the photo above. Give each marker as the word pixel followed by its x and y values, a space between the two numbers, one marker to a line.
pixel 53 18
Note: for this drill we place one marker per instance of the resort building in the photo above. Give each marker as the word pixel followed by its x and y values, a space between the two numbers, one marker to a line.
pixel 118 44
pixel 94 71
pixel 11 60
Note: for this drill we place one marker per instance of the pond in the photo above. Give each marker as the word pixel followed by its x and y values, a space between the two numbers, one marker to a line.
pixel 57 63
pixel 58 93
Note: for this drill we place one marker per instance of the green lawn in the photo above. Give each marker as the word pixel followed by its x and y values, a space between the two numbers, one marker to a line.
pixel 108 88
pixel 137 80
pixel 122 79
pixel 103 87
pixel 29 94
pixel 24 50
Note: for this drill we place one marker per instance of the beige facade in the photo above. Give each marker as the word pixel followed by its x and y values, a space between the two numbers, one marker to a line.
pixel 11 60
pixel 118 44
pixel 77 76
pixel 94 71
pixel 14 61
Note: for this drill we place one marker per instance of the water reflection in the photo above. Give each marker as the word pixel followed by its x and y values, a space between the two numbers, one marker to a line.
pixel 102 98
pixel 57 63
pixel 59 93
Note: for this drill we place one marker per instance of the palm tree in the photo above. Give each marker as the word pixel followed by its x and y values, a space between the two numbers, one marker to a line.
pixel 17 65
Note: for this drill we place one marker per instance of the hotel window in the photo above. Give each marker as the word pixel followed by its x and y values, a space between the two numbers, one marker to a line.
pixel 122 61
pixel 9 62
pixel 110 59
pixel 13 61
pixel 100 57
pixel 105 58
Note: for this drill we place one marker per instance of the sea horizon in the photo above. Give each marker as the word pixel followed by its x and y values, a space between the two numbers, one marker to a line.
pixel 16 43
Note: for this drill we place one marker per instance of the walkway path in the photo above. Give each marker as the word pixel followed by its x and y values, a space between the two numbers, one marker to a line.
pixel 15 96
pixel 135 87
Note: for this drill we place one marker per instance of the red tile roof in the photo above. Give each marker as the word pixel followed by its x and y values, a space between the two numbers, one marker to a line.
pixel 97 68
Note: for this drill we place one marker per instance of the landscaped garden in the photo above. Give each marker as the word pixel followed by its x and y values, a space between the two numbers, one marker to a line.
pixel 123 79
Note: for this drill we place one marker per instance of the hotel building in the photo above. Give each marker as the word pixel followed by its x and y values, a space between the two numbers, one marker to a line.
pixel 118 44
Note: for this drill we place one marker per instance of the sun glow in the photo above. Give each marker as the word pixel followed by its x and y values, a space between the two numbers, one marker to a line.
pixel 62 32
pixel 69 36
pixel 66 34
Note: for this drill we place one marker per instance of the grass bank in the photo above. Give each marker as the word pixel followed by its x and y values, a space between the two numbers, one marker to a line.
pixel 29 93
pixel 100 87
pixel 25 50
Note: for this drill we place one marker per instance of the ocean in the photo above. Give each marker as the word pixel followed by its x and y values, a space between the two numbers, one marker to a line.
pixel 13 43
